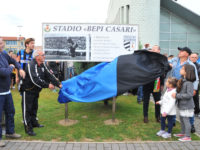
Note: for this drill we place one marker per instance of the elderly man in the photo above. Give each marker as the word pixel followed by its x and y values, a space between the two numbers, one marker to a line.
pixel 7 64
pixel 193 58
pixel 38 76
pixel 177 63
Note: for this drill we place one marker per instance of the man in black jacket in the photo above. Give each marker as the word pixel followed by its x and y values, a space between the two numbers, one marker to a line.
pixel 150 88
pixel 194 57
pixel 37 77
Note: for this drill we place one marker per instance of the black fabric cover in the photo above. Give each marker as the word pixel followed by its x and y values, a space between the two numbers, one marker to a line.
pixel 139 68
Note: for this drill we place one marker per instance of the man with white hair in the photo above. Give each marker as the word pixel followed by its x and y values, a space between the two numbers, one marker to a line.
pixel 37 77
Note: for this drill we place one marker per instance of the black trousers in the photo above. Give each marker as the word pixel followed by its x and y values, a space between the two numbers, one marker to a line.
pixel 196 102
pixel 29 109
pixel 147 90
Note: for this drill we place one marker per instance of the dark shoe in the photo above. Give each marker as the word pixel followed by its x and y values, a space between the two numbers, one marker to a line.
pixel 13 136
pixel 158 119
pixel 192 129
pixel 31 133
pixel 38 126
pixel 146 120
pixel 105 102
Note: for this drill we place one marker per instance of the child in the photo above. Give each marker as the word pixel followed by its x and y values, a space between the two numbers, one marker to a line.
pixel 184 97
pixel 168 108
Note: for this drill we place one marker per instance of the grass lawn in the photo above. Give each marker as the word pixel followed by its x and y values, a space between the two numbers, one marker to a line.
pixel 92 127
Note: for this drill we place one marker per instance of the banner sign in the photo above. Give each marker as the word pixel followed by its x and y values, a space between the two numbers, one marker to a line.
pixel 88 42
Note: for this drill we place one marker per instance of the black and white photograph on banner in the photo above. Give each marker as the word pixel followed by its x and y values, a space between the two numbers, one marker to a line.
pixel 72 47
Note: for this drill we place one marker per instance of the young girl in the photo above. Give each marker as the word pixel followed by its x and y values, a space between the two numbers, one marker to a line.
pixel 184 97
pixel 168 108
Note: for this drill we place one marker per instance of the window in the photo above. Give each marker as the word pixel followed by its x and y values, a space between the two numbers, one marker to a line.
pixel 177 32
pixel 127 14
pixel 11 42
pixel 122 14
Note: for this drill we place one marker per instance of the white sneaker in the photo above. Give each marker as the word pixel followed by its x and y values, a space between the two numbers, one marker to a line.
pixel 160 133
pixel 166 135
pixel 2 143
pixel 185 139
pixel 3 131
pixel 125 94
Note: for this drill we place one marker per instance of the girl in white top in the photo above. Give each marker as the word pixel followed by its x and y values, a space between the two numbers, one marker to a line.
pixel 168 108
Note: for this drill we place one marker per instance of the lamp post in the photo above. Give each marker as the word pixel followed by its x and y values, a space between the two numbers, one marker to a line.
pixel 19 38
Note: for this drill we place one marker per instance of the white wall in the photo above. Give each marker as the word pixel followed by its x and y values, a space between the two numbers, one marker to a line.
pixel 145 13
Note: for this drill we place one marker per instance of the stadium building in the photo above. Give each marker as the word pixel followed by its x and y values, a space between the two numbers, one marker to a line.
pixel 161 22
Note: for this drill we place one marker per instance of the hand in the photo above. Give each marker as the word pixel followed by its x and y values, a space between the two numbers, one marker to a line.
pixel 161 88
pixel 194 92
pixel 51 86
pixel 51 71
pixel 17 79
pixel 60 86
pixel 22 73
pixel 157 102
pixel 164 114
pixel 12 65
pixel 174 95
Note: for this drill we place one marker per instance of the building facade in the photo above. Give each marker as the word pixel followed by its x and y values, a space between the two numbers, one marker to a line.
pixel 161 22
pixel 14 43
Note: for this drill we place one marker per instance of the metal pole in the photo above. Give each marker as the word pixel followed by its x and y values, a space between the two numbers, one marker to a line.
pixel 66 104
pixel 66 112
pixel 113 109
pixel 19 41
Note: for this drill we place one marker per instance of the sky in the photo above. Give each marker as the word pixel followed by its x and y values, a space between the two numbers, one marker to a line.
pixel 25 18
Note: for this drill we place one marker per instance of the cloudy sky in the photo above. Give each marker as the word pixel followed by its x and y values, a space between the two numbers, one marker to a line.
pixel 26 17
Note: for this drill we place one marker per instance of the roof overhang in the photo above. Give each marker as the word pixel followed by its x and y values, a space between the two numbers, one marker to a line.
pixel 181 11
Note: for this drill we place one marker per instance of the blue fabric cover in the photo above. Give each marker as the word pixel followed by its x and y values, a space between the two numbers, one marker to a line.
pixel 95 84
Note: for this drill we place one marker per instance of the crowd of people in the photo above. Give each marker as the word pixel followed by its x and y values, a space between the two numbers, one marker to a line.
pixel 179 88
pixel 32 74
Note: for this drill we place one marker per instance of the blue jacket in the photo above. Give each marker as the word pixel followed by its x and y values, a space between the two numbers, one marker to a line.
pixel 5 71
pixel 175 72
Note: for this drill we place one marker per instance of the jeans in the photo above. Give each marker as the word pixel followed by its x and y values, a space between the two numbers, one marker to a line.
pixel 140 93
pixel 6 104
pixel 170 120
pixel 192 120
pixel 70 72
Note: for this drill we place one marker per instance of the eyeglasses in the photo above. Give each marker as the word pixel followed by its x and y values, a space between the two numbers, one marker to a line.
pixel 42 55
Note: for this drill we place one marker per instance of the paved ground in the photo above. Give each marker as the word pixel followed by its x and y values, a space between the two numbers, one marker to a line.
pixel 175 145
pixel 197 126
pixel 16 145
pixel 27 145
